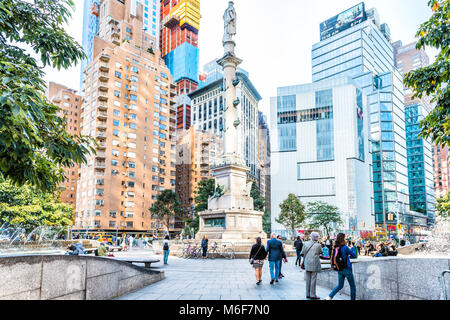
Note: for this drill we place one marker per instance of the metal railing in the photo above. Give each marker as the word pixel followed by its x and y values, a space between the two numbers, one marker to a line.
pixel 444 288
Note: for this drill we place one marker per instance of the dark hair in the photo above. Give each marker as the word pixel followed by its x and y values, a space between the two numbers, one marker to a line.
pixel 298 238
pixel 340 240
pixel 258 240
pixel 167 237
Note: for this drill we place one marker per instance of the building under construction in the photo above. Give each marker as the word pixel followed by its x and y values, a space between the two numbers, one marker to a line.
pixel 180 23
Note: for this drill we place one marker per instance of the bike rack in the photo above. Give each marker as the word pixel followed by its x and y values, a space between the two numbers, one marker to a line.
pixel 444 288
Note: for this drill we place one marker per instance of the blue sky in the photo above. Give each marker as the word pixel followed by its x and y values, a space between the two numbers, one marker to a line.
pixel 274 37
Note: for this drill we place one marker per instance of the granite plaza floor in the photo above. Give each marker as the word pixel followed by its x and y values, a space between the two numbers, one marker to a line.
pixel 218 279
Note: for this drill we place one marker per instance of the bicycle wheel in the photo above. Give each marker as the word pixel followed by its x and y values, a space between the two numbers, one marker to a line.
pixel 228 253
pixel 212 254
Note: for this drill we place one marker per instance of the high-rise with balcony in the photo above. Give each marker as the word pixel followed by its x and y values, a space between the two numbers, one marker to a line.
pixel 180 23
pixel 91 13
pixel 419 150
pixel 355 44
pixel 128 109
pixel 197 151
pixel 70 104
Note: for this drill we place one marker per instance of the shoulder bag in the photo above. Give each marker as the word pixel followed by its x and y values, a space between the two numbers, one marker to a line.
pixel 252 260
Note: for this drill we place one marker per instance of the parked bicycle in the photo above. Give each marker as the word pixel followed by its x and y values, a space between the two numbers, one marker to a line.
pixel 223 251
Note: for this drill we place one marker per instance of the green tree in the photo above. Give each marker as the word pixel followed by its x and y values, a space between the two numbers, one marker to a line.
pixel 322 215
pixel 267 222
pixel 292 213
pixel 29 208
pixel 433 80
pixel 167 207
pixel 259 203
pixel 34 143
pixel 204 190
pixel 443 206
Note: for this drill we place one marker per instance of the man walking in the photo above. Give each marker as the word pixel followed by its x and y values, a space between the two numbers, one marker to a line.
pixel 276 255
pixel 298 245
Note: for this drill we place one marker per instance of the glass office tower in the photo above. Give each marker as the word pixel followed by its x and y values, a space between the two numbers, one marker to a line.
pixel 420 163
pixel 355 44
pixel 90 29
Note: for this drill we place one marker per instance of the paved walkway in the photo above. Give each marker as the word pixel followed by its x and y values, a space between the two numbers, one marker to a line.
pixel 218 279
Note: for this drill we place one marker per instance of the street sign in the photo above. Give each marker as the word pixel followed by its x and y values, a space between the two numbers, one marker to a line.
pixel 399 226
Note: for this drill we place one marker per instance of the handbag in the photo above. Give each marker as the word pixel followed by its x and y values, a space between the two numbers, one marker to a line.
pixel 252 260
pixel 304 257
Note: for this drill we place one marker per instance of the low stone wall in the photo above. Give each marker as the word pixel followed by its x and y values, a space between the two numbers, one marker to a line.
pixel 66 277
pixel 411 249
pixel 394 279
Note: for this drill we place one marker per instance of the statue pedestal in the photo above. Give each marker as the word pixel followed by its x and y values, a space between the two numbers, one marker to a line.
pixel 231 217
pixel 238 225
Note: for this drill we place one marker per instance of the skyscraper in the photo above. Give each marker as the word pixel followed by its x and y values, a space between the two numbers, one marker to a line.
pixel 320 150
pixel 355 44
pixel 127 108
pixel 420 158
pixel 196 152
pixel 90 30
pixel 91 15
pixel 69 103
pixel 180 23
pixel 208 115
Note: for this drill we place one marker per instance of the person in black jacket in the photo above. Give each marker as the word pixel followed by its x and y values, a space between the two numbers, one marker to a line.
pixel 298 245
pixel 258 254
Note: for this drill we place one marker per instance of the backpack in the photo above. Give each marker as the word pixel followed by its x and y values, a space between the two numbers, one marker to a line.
pixel 338 261
pixel 166 246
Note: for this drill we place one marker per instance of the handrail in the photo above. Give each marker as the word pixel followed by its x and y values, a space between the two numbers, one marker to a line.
pixel 444 288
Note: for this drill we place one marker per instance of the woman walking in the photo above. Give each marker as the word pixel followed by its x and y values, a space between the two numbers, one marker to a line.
pixel 257 256
pixel 204 246
pixel 311 258
pixel 340 261
pixel 166 249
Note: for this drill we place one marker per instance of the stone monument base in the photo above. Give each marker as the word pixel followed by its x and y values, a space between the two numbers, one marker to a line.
pixel 234 225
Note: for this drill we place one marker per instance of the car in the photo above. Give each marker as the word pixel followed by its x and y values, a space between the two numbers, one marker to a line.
pixel 4 238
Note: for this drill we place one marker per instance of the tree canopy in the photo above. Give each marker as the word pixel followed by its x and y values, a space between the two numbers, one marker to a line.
pixel 433 80
pixel 292 213
pixel 322 215
pixel 204 190
pixel 259 203
pixel 167 207
pixel 443 206
pixel 29 208
pixel 34 143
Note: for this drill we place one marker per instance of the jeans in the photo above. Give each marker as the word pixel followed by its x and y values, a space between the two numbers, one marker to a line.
pixel 299 257
pixel 166 256
pixel 346 273
pixel 274 267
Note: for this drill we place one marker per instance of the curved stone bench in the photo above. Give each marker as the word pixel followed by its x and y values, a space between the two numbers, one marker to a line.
pixel 47 277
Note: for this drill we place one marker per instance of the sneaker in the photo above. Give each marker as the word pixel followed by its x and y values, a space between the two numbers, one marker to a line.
pixel 276 280
pixel 272 281
pixel 259 282
pixel 314 298
pixel 328 298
